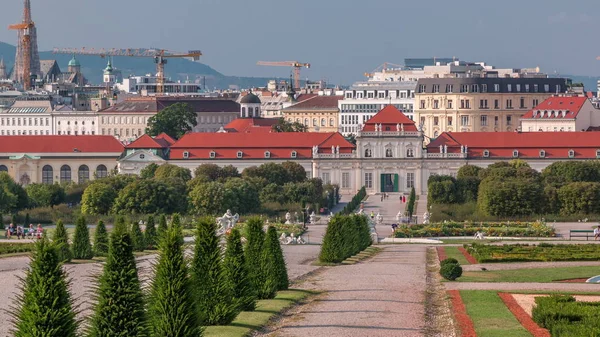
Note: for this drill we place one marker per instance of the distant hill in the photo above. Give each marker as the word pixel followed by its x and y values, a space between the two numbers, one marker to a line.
pixel 176 69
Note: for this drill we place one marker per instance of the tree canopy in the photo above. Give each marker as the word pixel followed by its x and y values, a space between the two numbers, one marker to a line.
pixel 284 126
pixel 175 120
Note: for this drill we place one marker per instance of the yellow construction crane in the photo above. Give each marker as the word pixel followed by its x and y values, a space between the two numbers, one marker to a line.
pixel 160 58
pixel 294 64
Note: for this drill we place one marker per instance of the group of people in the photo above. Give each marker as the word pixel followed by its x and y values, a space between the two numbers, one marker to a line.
pixel 384 196
pixel 21 233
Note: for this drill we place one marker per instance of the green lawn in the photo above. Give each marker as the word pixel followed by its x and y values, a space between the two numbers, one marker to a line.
pixel 453 252
pixel 469 241
pixel 530 275
pixel 490 316
pixel 248 321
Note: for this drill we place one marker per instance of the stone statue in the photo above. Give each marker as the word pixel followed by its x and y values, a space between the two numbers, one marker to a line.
pixel 379 218
pixel 426 218
pixel 315 149
pixel 296 217
pixel 332 149
pixel 282 238
pixel 462 149
pixel 227 221
pixel 441 149
pixel 313 217
pixel 466 149
pixel 399 216
pixel 445 148
pixel 288 217
pixel 360 212
pixel 337 149
pixel 398 127
pixel 402 127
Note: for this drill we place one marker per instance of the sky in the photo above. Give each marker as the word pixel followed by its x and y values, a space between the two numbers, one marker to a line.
pixel 341 39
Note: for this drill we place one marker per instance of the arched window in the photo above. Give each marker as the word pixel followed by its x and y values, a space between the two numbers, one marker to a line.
pixel 368 153
pixel 314 122
pixel 65 174
pixel 83 174
pixel 331 122
pixel 323 122
pixel 306 121
pixel 101 172
pixel 410 153
pixel 388 153
pixel 47 174
pixel 3 168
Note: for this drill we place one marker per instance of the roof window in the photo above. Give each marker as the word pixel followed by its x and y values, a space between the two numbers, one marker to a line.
pixel 515 153
pixel 571 153
pixel 186 155
pixel 486 153
pixel 542 154
pixel 212 154
pixel 267 154
pixel 240 154
pixel 294 154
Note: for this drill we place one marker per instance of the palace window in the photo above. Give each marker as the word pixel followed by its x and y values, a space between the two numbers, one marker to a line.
pixel 449 104
pixel 212 154
pixel 267 154
pixel 464 120
pixel 508 120
pixel 410 180
pixel 294 154
pixel 369 180
pixel 368 153
pixel 422 104
pixel 47 174
pixel 326 178
pixel 65 174
pixel 83 174
pixel 436 104
pixel 101 172
pixel 597 153
pixel 515 153
pixel 410 153
pixel 240 154
pixel 436 121
pixel 388 153
pixel 345 179
pixel 449 121
pixel 486 153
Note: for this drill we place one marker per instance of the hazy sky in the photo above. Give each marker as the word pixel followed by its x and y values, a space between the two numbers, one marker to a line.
pixel 341 39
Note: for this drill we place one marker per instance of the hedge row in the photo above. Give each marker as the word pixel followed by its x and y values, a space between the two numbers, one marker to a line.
pixel 563 316
pixel 355 202
pixel 346 235
pixel 10 248
pixel 493 229
pixel 542 252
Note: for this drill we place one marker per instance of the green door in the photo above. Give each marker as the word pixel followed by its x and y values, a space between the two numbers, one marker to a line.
pixel 396 183
pixel 382 182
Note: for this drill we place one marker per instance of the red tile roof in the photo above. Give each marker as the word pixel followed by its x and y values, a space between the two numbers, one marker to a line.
pixel 144 142
pixel 251 125
pixel 555 106
pixel 60 144
pixel 165 139
pixel 254 145
pixel 389 117
pixel 317 102
pixel 529 144
pixel 304 97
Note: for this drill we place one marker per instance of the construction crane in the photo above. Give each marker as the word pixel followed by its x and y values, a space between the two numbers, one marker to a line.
pixel 294 64
pixel 25 28
pixel 160 58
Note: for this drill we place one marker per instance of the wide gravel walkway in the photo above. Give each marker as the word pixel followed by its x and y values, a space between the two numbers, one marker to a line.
pixel 383 296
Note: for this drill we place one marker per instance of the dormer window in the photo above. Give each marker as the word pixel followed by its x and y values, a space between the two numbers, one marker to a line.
pixel 267 154
pixel 515 153
pixel 294 154
pixel 542 154
pixel 597 153
pixel 240 154
pixel 571 153
pixel 486 153
pixel 212 154
pixel 186 155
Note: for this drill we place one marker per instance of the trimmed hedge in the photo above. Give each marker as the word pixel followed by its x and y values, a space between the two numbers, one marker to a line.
pixel 542 252
pixel 346 235
pixel 355 202
pixel 495 229
pixel 564 317
pixel 450 269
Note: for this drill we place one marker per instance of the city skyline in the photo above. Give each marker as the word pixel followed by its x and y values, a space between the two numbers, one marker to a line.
pixel 340 40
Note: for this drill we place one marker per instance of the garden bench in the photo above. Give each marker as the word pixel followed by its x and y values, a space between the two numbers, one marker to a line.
pixel 580 233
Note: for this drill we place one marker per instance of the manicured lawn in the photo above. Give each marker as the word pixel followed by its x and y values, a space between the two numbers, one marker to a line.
pixel 490 316
pixel 453 252
pixel 530 275
pixel 468 241
pixel 542 252
pixel 246 321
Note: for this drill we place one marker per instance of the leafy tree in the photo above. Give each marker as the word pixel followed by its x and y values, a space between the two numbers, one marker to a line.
pixel 149 171
pixel 274 173
pixel 175 120
pixel 165 171
pixel 61 241
pixel 213 172
pixel 98 198
pixel 215 298
pixel 27 220
pixel 148 196
pixel 273 249
pixel 580 198
pixel 237 272
pixel 295 172
pixel 468 171
pixel 207 198
pixel 14 220
pixel 283 125
pixel 119 308
pixel 9 185
pixel 171 302
pixel 162 226
pixel 510 197
pixel 1 221
pixel 253 252
pixel 45 195
pixel 82 249
pixel 441 190
pixel 272 193
pixel 137 237
pixel 151 235
pixel 101 240
pixel 44 305
pixel 8 201
pixel 240 196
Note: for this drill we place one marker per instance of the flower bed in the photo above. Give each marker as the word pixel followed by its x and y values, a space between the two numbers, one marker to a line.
pixel 493 229
pixel 563 316
pixel 281 228
pixel 522 316
pixel 540 253
pixel 465 323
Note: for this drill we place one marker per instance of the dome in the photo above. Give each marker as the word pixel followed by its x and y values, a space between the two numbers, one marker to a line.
pixel 74 62
pixel 250 99
pixel 109 69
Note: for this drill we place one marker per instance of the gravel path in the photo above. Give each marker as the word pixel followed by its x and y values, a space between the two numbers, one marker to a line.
pixel 383 296
pixel 529 265
pixel 574 287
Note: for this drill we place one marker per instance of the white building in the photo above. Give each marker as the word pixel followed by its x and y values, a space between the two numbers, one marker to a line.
pixel 69 122
pixel 27 117
pixel 146 85
pixel 561 113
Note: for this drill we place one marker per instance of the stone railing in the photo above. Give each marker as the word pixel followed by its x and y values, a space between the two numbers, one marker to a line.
pixel 388 134
pixel 445 155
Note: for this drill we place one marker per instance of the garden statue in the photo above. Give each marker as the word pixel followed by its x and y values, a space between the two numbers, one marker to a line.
pixel 296 217
pixel 227 221
pixel 313 217
pixel 379 218
pixel 361 212
pixel 479 235
pixel 399 216
pixel 426 217
pixel 282 238
pixel 288 217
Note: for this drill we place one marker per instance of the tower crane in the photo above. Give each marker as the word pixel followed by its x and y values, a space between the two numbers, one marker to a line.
pixel 160 58
pixel 25 29
pixel 294 64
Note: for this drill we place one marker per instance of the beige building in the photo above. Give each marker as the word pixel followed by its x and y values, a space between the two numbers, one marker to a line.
pixel 485 104
pixel 318 113
pixel 58 159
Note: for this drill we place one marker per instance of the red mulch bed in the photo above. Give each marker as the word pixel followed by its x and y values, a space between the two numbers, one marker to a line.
pixel 468 256
pixel 460 314
pixel 441 253
pixel 523 317
pixel 573 280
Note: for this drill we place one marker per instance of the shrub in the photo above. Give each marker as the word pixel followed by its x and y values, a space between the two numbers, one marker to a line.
pixel 137 237
pixel 451 271
pixel 61 241
pixel 256 238
pixel 27 221
pixel 237 272
pixel 82 249
pixel 162 226
pixel 119 308
pixel 101 240
pixel 345 236
pixel 449 260
pixel 564 317
pixel 268 265
pixel 214 295
pixel 171 302
pixel 44 306
pixel 355 202
pixel 273 248
pixel 151 236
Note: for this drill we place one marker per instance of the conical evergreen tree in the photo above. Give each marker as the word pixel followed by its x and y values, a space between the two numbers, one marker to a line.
pixel 14 220
pixel 27 221
pixel 268 267
pixel 214 296
pixel 82 248
pixel 101 240
pixel 253 252
pixel 44 306
pixel 274 249
pixel 151 236
pixel 162 226
pixel 237 272
pixel 332 249
pixel 119 309
pixel 137 237
pixel 61 241
pixel 171 301
pixel 1 221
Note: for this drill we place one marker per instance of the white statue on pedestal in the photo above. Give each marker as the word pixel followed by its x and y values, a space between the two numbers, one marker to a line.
pixel 399 216
pixel 379 218
pixel 313 217
pixel 227 221
pixel 426 218
pixel 288 216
